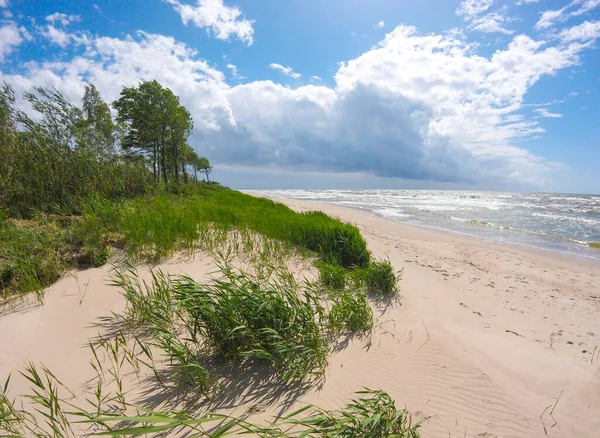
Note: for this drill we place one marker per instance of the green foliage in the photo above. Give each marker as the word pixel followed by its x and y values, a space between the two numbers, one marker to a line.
pixel 239 319
pixel 157 128
pixel 333 276
pixel 373 415
pixel 155 227
pixel 54 162
pixel 379 278
pixel 595 245
pixel 350 312
pixel 35 253
pixel 31 256
pixel 234 318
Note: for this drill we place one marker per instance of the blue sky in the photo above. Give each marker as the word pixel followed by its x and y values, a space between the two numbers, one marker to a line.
pixel 478 94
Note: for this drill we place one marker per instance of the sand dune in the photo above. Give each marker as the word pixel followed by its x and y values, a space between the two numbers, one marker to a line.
pixel 486 337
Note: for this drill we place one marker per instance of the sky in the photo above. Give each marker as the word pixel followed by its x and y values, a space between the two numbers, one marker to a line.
pixel 473 94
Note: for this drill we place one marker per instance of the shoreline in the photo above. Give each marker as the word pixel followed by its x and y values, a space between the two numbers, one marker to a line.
pixel 444 231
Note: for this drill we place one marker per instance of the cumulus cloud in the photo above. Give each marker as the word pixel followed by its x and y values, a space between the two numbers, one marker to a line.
pixel 426 107
pixel 543 112
pixel 288 71
pixel 55 31
pixel 10 37
pixel 316 78
pixel 380 24
pixel 222 20
pixel 113 63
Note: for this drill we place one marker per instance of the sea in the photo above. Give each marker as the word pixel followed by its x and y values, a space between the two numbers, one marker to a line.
pixel 562 223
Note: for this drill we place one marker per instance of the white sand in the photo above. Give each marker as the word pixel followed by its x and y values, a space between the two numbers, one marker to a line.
pixel 486 337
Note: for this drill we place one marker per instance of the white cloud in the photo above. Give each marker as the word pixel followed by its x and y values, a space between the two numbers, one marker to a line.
pixel 234 72
pixel 522 2
pixel 112 63
pixel 586 6
pixel 586 31
pixel 224 21
pixel 288 71
pixel 473 11
pixel 3 3
pixel 63 19
pixel 543 112
pixel 57 36
pixel 425 107
pixel 471 8
pixel 490 23
pixel 550 17
pixel 316 78
pixel 380 24
pixel 10 37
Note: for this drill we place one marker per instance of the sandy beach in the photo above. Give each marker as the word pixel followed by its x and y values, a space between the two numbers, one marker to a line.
pixel 486 338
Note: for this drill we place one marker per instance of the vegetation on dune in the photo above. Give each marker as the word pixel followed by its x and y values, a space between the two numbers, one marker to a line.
pixel 372 414
pixel 350 312
pixel 379 278
pixel 595 245
pixel 79 187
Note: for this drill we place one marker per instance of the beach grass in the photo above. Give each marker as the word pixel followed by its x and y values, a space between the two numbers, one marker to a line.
pixel 332 276
pixel 595 245
pixel 35 253
pixel 239 319
pixel 350 313
pixel 379 278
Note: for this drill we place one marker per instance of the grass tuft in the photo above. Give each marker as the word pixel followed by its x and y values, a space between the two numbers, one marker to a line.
pixel 350 312
pixel 372 415
pixel 238 319
pixel 379 278
pixel 595 245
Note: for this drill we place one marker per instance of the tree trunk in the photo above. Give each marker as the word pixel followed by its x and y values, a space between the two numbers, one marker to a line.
pixel 154 165
pixel 164 157
pixel 176 163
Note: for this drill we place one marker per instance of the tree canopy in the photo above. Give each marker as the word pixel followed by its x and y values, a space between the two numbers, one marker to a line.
pixel 64 154
pixel 157 127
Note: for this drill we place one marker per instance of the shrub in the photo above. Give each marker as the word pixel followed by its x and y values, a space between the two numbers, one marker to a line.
pixel 350 312
pixel 332 276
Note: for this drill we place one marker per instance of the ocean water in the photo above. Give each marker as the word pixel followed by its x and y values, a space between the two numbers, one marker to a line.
pixel 555 222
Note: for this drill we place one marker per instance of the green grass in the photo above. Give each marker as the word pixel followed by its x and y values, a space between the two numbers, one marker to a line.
pixel 233 318
pixel 350 312
pixel 239 319
pixel 160 225
pixel 372 415
pixel 34 253
pixel 595 245
pixel 332 276
pixel 379 278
